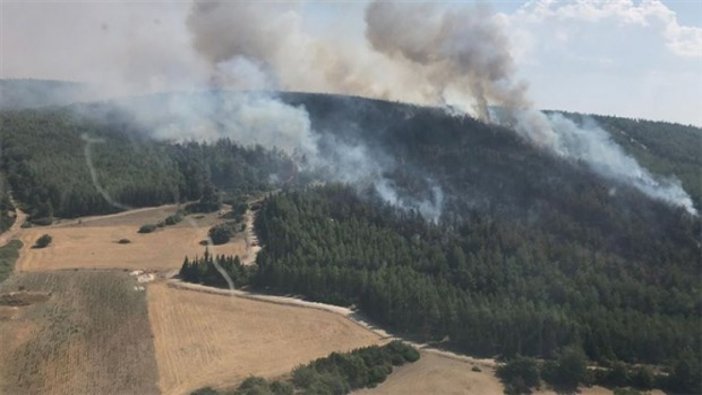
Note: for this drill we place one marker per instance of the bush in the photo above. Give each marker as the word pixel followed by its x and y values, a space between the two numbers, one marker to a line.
pixel 519 375
pixel 124 241
pixel 476 369
pixel 205 391
pixel 219 235
pixel 148 228
pixel 568 371
pixel 43 241
pixel 173 219
pixel 222 233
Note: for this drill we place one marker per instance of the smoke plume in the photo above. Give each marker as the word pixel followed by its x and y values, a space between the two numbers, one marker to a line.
pixel 464 50
pixel 454 55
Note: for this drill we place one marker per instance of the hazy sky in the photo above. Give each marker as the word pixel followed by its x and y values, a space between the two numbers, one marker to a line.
pixel 620 57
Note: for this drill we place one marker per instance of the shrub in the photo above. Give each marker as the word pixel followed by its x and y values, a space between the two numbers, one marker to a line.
pixel 568 371
pixel 205 391
pixel 148 228
pixel 124 241
pixel 222 233
pixel 219 235
pixel 475 369
pixel 43 241
pixel 519 375
pixel 173 219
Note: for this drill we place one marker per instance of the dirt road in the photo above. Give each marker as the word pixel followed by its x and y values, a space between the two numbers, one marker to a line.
pixel 20 218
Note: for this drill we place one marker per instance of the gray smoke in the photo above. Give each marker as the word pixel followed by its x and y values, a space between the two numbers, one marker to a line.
pixel 430 53
pixel 260 118
pixel 463 50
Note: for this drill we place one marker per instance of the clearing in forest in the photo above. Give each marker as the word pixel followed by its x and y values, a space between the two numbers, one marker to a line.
pixel 207 339
pixel 93 242
pixel 75 333
pixel 437 374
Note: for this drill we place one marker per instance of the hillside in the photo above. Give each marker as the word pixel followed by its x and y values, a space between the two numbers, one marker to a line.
pixel 437 226
pixel 34 93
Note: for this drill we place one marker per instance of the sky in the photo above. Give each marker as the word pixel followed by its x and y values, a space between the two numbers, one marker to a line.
pixel 631 58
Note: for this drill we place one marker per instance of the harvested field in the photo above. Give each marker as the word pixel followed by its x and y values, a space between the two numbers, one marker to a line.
pixel 208 339
pixel 82 333
pixel 94 242
pixel 436 374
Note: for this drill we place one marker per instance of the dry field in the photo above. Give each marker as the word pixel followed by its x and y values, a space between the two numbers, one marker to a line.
pixel 207 339
pixel 436 374
pixel 75 333
pixel 91 243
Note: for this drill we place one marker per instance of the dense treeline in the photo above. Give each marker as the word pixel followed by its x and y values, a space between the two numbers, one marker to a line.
pixel 521 375
pixel 61 163
pixel 338 374
pixel 209 269
pixel 488 169
pixel 493 287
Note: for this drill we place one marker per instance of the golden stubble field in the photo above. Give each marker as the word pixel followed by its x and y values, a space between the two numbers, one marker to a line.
pixel 92 243
pixel 207 339
pixel 437 374
pixel 83 332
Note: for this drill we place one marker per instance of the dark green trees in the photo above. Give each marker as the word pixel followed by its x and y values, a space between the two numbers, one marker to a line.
pixel 209 270
pixel 568 371
pixel 43 241
pixel 519 375
pixel 339 373
pixel 492 287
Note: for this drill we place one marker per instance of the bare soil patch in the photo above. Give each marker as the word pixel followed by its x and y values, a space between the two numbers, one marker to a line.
pixel 91 336
pixel 209 339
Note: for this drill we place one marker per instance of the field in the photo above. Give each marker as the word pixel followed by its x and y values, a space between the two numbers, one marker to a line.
pixel 207 339
pixel 92 243
pixel 75 333
pixel 436 374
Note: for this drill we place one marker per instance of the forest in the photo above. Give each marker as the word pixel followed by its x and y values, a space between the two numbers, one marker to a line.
pixel 64 164
pixel 530 253
pixel 480 285
pixel 520 290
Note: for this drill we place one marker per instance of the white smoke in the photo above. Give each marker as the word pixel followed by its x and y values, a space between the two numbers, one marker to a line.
pixel 259 118
pixel 431 53
pixel 463 50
